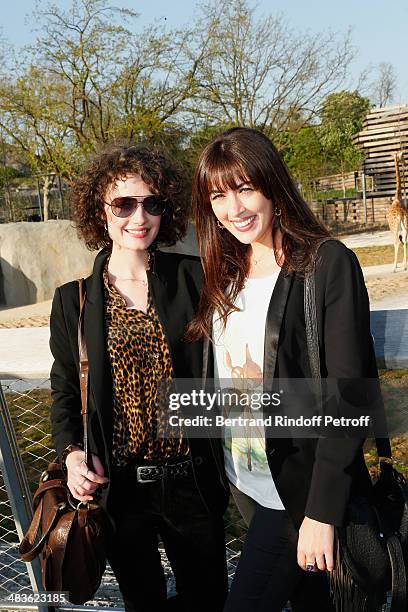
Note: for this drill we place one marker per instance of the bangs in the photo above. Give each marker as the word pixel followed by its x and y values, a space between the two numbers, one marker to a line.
pixel 223 173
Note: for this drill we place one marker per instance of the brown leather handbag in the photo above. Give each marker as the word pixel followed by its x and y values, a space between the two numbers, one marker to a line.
pixel 69 534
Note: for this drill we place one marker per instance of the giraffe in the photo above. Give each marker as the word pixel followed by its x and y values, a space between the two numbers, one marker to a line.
pixel 397 216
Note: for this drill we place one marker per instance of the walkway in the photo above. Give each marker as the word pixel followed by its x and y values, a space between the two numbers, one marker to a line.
pixel 24 352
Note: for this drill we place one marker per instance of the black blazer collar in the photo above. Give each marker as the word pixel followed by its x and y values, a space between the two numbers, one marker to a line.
pixel 276 311
pixel 100 380
pixel 99 366
pixel 95 333
pixel 94 283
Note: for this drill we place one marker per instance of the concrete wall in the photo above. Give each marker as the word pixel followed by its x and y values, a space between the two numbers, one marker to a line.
pixel 37 257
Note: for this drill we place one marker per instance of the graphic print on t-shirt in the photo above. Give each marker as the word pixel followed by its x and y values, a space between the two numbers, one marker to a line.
pixel 239 353
pixel 250 369
pixel 247 378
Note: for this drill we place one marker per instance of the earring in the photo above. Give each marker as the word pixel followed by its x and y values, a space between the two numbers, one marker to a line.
pixel 220 225
pixel 278 212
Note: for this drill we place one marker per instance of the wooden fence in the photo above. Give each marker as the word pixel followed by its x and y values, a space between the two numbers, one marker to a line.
pixel 385 133
pixel 349 210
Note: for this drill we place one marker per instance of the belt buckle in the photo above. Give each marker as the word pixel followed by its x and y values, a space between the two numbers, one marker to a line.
pixel 139 473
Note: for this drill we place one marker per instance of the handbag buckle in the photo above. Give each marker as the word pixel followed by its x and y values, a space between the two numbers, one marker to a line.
pixel 83 503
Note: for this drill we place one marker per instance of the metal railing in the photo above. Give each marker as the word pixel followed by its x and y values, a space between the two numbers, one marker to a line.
pixel 25 451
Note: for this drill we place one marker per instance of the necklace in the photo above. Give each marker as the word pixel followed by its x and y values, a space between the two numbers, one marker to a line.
pixel 136 280
pixel 255 262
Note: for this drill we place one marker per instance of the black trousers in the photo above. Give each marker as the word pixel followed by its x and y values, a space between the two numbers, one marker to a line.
pixel 194 540
pixel 268 575
pixel 312 589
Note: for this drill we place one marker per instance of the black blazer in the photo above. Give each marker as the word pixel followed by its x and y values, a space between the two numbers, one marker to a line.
pixel 314 477
pixel 175 285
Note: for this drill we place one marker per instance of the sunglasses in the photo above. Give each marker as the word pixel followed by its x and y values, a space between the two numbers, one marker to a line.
pixel 125 206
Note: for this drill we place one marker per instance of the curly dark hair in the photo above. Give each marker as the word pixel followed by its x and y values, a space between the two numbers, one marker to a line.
pixel 114 163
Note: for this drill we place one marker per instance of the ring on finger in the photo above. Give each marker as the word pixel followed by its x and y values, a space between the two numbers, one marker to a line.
pixel 310 567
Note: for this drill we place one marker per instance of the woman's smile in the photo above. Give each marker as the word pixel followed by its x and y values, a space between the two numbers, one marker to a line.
pixel 246 224
pixel 139 232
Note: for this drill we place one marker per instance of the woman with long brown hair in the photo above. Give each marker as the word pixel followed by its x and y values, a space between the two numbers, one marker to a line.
pixel 259 239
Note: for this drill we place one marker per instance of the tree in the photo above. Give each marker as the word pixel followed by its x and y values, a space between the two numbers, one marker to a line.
pixel 303 154
pixel 92 76
pixel 383 89
pixel 89 79
pixel 342 117
pixel 258 72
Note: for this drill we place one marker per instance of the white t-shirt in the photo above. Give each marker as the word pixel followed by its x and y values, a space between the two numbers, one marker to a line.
pixel 239 355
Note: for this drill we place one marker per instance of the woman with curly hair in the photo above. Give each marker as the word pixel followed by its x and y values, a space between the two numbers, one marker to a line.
pixel 259 240
pixel 129 200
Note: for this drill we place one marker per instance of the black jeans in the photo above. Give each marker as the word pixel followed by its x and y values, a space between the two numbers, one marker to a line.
pixel 193 539
pixel 268 575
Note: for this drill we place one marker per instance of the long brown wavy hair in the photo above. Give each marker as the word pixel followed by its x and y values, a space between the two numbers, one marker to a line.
pixel 243 155
pixel 115 162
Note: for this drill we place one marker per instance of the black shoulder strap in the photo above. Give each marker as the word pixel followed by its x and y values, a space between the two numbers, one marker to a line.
pixel 312 339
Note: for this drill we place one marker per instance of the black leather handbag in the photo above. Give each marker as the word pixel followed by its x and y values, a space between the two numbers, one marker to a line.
pixel 371 549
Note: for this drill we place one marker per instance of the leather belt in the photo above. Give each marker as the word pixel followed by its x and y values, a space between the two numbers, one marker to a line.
pixel 152 473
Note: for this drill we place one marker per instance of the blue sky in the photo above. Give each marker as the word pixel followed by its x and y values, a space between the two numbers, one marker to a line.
pixel 380 27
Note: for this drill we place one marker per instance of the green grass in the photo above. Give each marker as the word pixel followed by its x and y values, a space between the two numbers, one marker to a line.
pixel 395 390
pixel 334 193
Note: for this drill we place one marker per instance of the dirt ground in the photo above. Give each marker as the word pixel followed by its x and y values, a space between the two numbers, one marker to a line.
pixel 39 321
pixel 392 284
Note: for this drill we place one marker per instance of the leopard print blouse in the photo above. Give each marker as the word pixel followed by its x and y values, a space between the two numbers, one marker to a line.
pixel 139 357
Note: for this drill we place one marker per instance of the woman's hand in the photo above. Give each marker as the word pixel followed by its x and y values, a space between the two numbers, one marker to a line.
pixel 82 481
pixel 315 545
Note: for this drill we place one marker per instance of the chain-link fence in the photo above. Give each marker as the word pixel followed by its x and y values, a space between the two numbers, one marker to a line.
pixel 25 416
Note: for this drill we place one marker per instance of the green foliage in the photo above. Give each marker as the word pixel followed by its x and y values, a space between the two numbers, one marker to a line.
pixel 89 79
pixel 342 117
pixel 303 155
pixel 8 173
pixel 334 193
pixel 94 76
